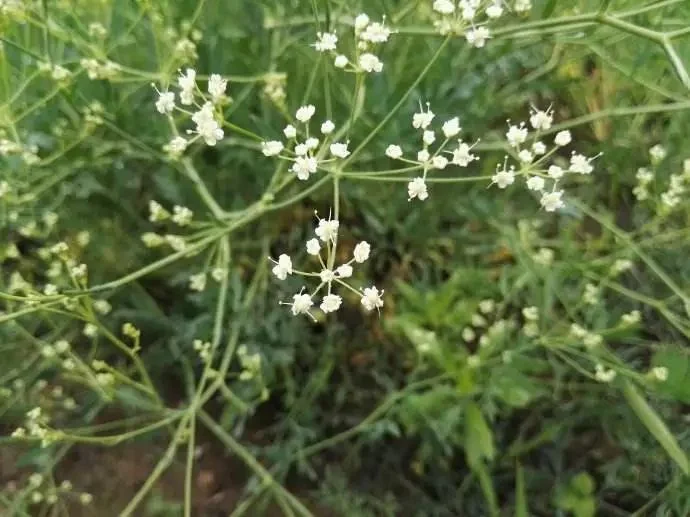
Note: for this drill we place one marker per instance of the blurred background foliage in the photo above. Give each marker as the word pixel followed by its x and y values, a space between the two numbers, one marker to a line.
pixel 427 430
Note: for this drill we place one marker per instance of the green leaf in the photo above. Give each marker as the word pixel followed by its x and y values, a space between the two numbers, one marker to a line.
pixel 656 426
pixel 479 440
pixel 487 488
pixel 677 362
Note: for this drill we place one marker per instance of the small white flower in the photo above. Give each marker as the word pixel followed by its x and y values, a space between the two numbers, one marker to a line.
pixel 198 282
pixel 327 127
pixel 283 267
pixel 176 146
pixel 327 276
pixel 444 6
pixel 603 375
pixel 428 137
pixel 394 151
pixel 503 177
pixel 422 119
pixel 477 37
pixel 216 87
pixel 182 215
pixel 451 127
pixel 660 373
pixel 304 166
pixel 563 138
pixel 487 306
pixel 344 271
pixel 301 149
pixel 361 21
pixel 305 113
pixel 531 313
pixel 555 172
pixel 535 183
pixel 494 10
pixel 539 148
pixel 417 189
pixel 370 63
pixel 156 212
pixel 206 125
pixel 551 201
pixel 439 162
pixel 362 251
pixel 371 298
pixel 468 334
pixel 313 247
pixel 541 120
pixel 331 303
pixel 187 84
pixel 271 148
pixel 580 164
pixel 657 154
pixel 516 135
pixel 423 155
pixel 340 61
pixel 591 294
pixel 468 11
pixel 375 33
pixel 301 303
pixel 525 156
pixel 462 155
pixel 339 150
pixel 327 230
pixel 312 143
pixel 631 318
pixel 290 131
pixel 166 102
pixel 522 6
pixel 326 41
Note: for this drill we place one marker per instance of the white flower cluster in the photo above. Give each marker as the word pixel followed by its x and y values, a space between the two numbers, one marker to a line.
pixel 97 70
pixel 208 117
pixel 28 154
pixel 57 72
pixel 471 17
pixel 426 159
pixel 327 236
pixel 308 154
pixel 677 186
pixel 368 34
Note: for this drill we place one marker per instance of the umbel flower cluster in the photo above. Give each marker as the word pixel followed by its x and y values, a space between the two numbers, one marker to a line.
pixel 327 274
pixel 305 151
pixel 367 36
pixel 471 18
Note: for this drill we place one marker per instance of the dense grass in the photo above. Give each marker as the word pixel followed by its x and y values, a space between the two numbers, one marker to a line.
pixel 435 405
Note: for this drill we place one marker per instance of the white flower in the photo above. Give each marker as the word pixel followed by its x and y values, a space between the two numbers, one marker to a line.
pixel 563 138
pixel 327 127
pixel 552 200
pixel 371 298
pixel 516 135
pixel 206 125
pixel 541 120
pixel 283 267
pixel 156 212
pixel 362 251
pixel 305 113
pixel 417 189
pixel 326 41
pixel 182 215
pixel 451 127
pixel 603 375
pixel 439 162
pixel 444 6
pixel 494 10
pixel 525 156
pixel 370 63
pixel 327 230
pixel 422 119
pixel 428 137
pixel 176 146
pixel 631 318
pixel 187 84
pixel 340 61
pixel 198 282
pixel 344 271
pixel 535 183
pixel 468 11
pixel 462 155
pixel 339 150
pixel 657 153
pixel 313 247
pixel 50 290
pixel 580 164
pixel 522 6
pixel 271 148
pixel 165 102
pixel 468 334
pixel 477 37
pixel 644 175
pixel 301 303
pixel 361 22
pixel 304 166
pixel 660 373
pixel 394 151
pixel 503 177
pixel 331 303
pixel 312 143
pixel 538 148
pixel 327 276
pixel 531 313
pixel 375 33
pixel 555 172
pixel 487 306
pixel 216 87
pixel 423 155
pixel 290 131
pixel 301 149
